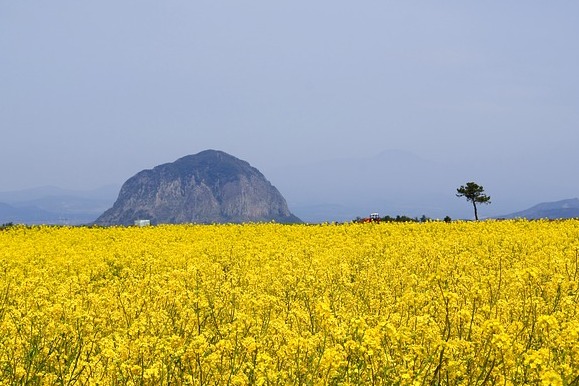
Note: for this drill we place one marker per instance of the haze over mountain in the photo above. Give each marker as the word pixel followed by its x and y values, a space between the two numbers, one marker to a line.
pixel 342 189
pixel 53 205
pixel 400 182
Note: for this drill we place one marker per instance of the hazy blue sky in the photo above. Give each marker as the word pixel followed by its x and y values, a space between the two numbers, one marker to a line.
pixel 93 92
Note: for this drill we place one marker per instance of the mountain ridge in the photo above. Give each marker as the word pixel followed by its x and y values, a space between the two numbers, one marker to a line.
pixel 561 209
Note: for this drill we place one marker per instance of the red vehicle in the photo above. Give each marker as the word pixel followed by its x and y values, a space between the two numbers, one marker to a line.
pixel 374 217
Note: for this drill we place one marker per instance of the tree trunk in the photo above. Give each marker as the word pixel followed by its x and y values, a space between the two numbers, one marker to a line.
pixel 475 212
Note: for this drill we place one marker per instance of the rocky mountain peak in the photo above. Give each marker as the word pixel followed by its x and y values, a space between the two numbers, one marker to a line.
pixel 209 187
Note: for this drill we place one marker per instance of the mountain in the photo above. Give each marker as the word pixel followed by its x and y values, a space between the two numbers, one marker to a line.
pixel 10 214
pixel 208 187
pixel 52 205
pixel 552 210
pixel 35 215
pixel 104 193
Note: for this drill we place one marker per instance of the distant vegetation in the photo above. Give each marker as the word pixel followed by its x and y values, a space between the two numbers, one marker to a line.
pixel 400 218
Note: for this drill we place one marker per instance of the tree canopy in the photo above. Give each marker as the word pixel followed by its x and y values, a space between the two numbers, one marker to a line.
pixel 475 194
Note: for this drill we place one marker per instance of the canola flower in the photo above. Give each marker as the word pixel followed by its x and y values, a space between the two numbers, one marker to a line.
pixel 466 303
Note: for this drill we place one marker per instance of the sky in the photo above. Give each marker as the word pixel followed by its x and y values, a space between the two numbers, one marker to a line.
pixel 93 92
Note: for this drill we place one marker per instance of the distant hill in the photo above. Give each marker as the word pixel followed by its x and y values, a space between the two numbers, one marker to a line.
pixel 52 205
pixel 10 214
pixel 552 210
pixel 106 193
pixel 208 187
pixel 35 215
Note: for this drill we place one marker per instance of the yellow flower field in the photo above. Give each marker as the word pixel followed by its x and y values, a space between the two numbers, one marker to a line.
pixel 465 303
